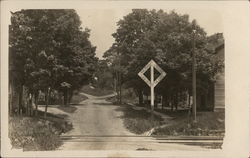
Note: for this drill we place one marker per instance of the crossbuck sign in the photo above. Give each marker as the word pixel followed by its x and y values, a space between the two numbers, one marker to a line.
pixel 152 83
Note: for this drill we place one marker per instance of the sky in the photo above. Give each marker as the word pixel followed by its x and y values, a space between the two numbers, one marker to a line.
pixel 103 22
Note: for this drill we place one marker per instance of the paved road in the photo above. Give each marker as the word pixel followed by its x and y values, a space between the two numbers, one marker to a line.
pixel 97 125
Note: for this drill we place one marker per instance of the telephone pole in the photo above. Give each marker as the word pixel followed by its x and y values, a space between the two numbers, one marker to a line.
pixel 194 77
pixel 119 77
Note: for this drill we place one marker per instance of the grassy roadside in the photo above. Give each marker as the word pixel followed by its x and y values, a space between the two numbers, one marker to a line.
pixel 139 121
pixel 35 133
pixel 179 123
pixel 136 121
pixel 208 124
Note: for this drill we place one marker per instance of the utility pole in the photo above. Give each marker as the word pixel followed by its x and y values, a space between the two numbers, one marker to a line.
pixel 119 78
pixel 194 77
pixel 120 73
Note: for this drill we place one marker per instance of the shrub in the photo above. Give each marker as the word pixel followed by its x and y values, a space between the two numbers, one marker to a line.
pixel 33 134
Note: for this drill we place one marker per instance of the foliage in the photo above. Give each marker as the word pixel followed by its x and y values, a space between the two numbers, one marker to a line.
pixel 104 77
pixel 49 49
pixel 166 38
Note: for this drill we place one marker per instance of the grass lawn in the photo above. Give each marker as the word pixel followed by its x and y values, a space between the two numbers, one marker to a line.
pixel 36 133
pixel 95 91
pixel 208 124
pixel 140 121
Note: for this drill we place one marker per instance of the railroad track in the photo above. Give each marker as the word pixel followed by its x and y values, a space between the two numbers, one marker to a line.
pixel 206 141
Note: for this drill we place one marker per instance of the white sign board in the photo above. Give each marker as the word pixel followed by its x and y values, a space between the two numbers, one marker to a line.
pixel 152 83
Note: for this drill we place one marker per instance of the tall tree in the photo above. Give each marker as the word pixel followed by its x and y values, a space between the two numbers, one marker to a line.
pixel 49 48
pixel 166 38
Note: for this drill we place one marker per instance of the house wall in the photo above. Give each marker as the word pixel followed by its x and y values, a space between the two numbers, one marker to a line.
pixel 215 98
pixel 220 86
pixel 220 92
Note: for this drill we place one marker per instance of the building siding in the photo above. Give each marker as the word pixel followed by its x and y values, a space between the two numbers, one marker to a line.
pixel 220 85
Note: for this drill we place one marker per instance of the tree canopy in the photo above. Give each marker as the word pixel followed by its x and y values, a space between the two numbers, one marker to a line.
pixel 49 48
pixel 166 38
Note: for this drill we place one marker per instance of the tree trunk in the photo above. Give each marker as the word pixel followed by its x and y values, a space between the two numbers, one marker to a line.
pixel 140 97
pixel 120 89
pixel 29 104
pixel 36 103
pixel 155 101
pixel 172 102
pixel 10 98
pixel 32 103
pixel 117 84
pixel 70 95
pixel 65 96
pixel 20 106
pixel 189 103
pixel 163 101
pixel 47 103
pixel 176 100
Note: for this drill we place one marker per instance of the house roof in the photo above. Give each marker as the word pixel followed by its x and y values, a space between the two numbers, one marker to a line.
pixel 219 47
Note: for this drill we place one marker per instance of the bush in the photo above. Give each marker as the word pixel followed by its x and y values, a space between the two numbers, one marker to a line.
pixel 33 134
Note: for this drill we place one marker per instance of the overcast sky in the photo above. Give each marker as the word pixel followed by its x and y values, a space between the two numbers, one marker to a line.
pixel 102 23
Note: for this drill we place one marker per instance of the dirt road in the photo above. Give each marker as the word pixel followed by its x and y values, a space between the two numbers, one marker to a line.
pixel 95 116
pixel 98 125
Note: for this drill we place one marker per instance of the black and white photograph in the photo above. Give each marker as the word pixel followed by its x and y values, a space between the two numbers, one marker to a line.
pixel 124 79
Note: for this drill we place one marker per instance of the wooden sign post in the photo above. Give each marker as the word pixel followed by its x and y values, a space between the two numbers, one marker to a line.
pixel 152 83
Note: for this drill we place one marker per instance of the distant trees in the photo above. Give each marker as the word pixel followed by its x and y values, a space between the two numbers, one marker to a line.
pixel 166 38
pixel 103 76
pixel 49 51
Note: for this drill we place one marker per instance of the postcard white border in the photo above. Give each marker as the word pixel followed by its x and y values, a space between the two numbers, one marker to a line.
pixel 236 22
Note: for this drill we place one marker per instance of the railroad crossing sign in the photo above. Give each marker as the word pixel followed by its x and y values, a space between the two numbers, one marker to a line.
pixel 152 83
